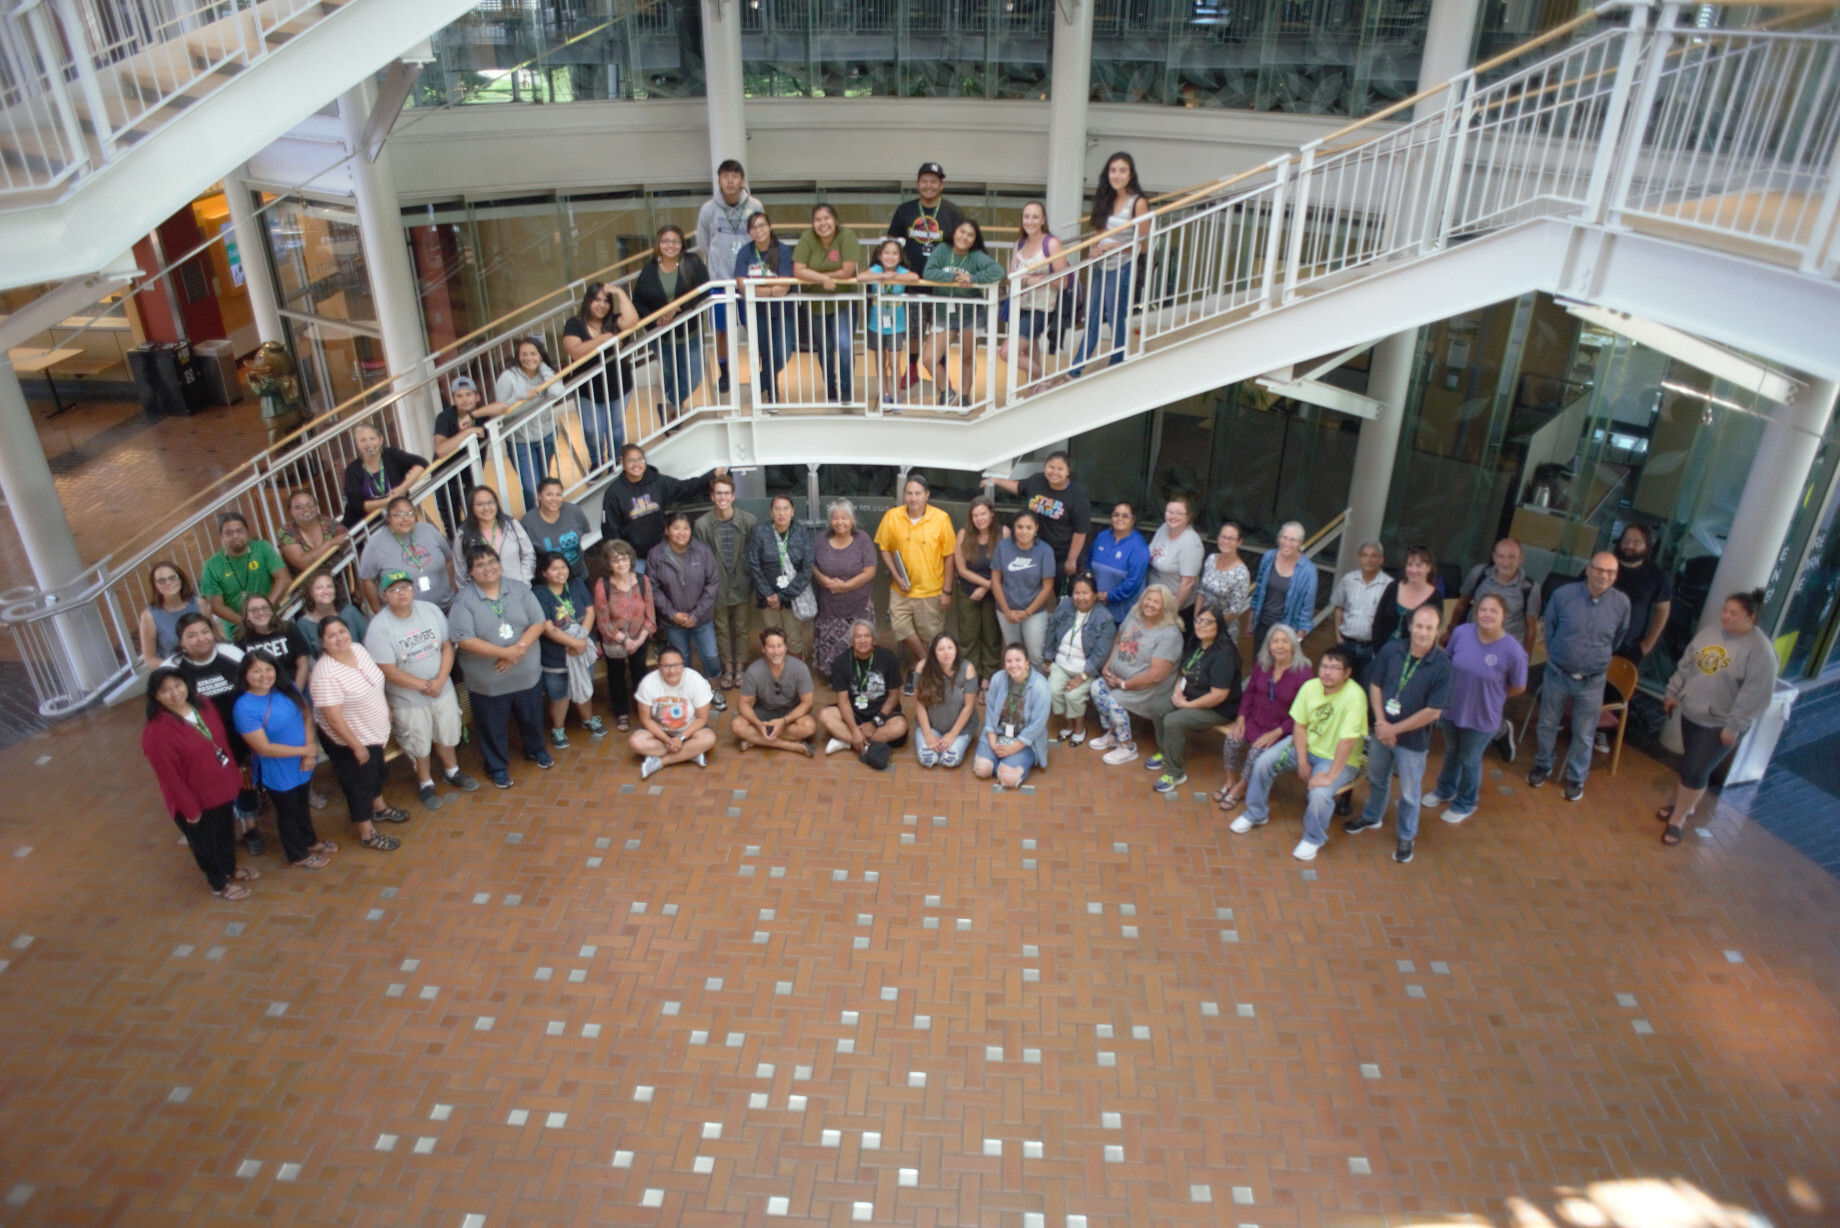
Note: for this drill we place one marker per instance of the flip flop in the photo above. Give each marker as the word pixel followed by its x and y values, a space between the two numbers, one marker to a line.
pixel 1666 813
pixel 314 861
pixel 325 846
pixel 1673 834
pixel 246 875
pixel 232 892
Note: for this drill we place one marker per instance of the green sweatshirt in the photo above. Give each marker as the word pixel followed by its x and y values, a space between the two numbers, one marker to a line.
pixel 945 263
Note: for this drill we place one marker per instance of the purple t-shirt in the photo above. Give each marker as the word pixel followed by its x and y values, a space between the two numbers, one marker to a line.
pixel 1266 704
pixel 1484 674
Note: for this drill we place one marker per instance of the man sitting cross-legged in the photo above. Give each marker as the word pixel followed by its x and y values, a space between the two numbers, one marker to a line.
pixel 867 680
pixel 775 699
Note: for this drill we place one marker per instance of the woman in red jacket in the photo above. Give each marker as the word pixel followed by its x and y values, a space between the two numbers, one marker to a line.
pixel 186 743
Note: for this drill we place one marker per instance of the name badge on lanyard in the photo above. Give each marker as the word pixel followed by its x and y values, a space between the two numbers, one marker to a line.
pixel 421 583
pixel 504 631
pixel 1392 707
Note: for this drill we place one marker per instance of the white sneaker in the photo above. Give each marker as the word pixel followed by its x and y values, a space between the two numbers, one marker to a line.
pixel 652 764
pixel 1305 851
pixel 833 746
pixel 702 761
pixel 1453 815
pixel 1244 824
pixel 1601 745
pixel 1104 741
pixel 1122 754
pixel 1431 801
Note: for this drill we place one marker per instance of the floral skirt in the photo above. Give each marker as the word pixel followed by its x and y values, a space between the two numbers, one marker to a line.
pixel 830 639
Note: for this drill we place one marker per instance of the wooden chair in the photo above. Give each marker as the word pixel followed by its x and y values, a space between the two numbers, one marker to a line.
pixel 1622 677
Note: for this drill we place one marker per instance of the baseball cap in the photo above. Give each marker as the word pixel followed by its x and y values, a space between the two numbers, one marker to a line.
pixel 463 381
pixel 394 577
pixel 878 756
pixel 930 168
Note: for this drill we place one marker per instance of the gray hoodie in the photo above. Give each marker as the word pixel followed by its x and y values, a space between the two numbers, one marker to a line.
pixel 1725 681
pixel 721 231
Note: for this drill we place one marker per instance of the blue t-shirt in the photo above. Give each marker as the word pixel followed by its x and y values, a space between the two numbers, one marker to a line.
pixel 571 606
pixel 279 720
pixel 1020 571
pixel 888 317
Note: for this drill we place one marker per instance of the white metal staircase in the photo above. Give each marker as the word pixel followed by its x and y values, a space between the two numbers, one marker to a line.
pixel 116 113
pixel 1687 176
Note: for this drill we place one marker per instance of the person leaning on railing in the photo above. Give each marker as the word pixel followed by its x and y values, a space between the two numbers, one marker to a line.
pixel 1034 310
pixel 924 225
pixel 377 475
pixel 464 417
pixel 245 565
pixel 606 312
pixel 964 266
pixel 887 332
pixel 533 445
pixel 325 597
pixel 825 253
pixel 173 598
pixel 1117 201
pixel 309 536
pixel 772 329
pixel 668 276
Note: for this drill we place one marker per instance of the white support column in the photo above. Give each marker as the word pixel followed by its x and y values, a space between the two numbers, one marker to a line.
pixel 1450 36
pixel 386 256
pixel 31 491
pixel 1389 381
pixel 252 251
pixel 722 82
pixel 1772 495
pixel 1069 92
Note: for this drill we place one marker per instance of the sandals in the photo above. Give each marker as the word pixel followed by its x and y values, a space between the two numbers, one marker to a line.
pixel 389 814
pixel 244 874
pixel 1227 799
pixel 1666 813
pixel 381 844
pixel 232 892
pixel 1673 833
pixel 324 846
pixel 313 861
pixel 622 724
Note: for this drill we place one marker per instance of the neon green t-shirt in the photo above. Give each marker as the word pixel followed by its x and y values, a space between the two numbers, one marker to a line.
pixel 1333 717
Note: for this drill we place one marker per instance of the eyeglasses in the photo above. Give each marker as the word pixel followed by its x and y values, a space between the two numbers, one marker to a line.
pixel 166 579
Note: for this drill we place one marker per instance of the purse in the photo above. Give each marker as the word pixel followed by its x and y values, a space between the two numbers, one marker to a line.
pixel 805 605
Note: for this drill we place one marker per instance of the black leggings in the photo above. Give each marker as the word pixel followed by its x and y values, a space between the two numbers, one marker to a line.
pixel 1705 750
pixel 361 782
pixel 294 822
pixel 212 840
pixel 624 674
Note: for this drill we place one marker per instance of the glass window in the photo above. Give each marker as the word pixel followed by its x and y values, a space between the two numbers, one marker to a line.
pixel 563 51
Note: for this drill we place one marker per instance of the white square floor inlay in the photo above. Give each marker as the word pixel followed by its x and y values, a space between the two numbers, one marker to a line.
pixel 909 1177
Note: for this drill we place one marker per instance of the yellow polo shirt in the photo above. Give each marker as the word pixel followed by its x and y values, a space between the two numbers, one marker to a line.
pixel 923 547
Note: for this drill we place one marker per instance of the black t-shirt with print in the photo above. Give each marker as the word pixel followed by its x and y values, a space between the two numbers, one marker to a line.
pixel 869 683
pixel 1061 513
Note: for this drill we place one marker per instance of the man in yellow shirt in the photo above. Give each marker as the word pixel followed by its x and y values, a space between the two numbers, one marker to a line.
pixel 916 542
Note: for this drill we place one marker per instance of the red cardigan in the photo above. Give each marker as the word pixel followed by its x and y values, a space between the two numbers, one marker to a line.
pixel 191 779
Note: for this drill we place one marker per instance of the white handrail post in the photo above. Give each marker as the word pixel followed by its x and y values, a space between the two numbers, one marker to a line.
pixel 1015 338
pixel 731 308
pixel 1455 98
pixel 46 43
pixel 1821 234
pixel 1610 136
pixel 1453 166
pixel 745 309
pixel 992 294
pixel 1635 122
pixel 495 439
pixel 77 32
pixel 1300 197
pixel 1274 231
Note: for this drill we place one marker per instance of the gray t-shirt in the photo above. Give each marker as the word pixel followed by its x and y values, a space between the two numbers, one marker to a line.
pixel 774 697
pixel 423 555
pixel 411 644
pixel 1137 646
pixel 500 623
pixel 944 714
pixel 564 536
pixel 1171 560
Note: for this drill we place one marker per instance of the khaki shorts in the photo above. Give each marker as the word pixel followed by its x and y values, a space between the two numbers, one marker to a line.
pixel 919 616
pixel 419 729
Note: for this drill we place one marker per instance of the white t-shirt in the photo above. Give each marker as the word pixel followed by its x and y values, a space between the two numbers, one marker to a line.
pixel 1071 655
pixel 674 707
pixel 1171 561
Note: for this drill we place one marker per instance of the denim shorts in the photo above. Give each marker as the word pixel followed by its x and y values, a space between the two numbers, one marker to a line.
pixel 555 684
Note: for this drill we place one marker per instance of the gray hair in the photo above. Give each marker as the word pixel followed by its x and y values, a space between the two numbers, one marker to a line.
pixel 862 622
pixel 841 505
pixel 1298 660
pixel 1293 524
pixel 1369 544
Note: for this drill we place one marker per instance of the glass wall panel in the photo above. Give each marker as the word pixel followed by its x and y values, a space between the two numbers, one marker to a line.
pixel 564 50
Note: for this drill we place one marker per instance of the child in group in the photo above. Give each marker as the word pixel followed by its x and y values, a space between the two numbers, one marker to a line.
pixel 888 319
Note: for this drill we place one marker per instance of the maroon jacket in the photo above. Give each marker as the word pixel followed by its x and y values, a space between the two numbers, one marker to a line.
pixel 191 778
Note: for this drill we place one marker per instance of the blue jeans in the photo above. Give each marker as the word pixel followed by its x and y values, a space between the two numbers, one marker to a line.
pixel 1460 783
pixel 951 757
pixel 532 459
pixel 1279 757
pixel 1384 762
pixel 1024 759
pixel 1587 696
pixel 703 635
pixel 837 351
pixel 603 427
pixel 1111 301
pixel 683 368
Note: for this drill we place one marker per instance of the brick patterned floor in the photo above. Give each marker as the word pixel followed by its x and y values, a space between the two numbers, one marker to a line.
pixel 779 989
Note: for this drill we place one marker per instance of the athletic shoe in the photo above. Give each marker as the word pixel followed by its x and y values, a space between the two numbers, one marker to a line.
pixel 431 797
pixel 1538 777
pixel 1121 754
pixel 1453 815
pixel 1104 741
pixel 460 780
pixel 1431 801
pixel 1305 851
pixel 1505 744
pixel 1169 784
pixel 544 761
pixel 1344 803
pixel 1245 823
pixel 833 746
pixel 1360 823
pixel 596 730
pixel 1574 790
pixel 652 764
pixel 560 738
pixel 717 702
pixel 913 680
pixel 1154 763
pixel 390 814
pixel 502 779
pixel 1601 744
pixel 1078 738
pixel 1403 853
pixel 702 761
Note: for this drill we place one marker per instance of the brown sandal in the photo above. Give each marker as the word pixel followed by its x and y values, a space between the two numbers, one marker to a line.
pixel 246 875
pixel 232 892
pixel 325 846
pixel 1672 835
pixel 313 861
pixel 1666 813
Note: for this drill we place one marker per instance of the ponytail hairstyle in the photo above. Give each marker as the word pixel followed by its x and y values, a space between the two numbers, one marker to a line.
pixel 1751 603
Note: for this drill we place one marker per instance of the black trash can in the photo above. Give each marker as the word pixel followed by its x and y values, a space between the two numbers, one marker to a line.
pixel 156 380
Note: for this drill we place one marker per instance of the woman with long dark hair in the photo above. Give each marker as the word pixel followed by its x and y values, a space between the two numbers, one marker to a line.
pixel 275 719
pixel 825 253
pixel 264 632
pixel 487 525
pixel 189 750
pixel 533 444
pixel 771 330
pixel 668 276
pixel 963 264
pixel 173 598
pixel 1118 200
pixel 606 312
